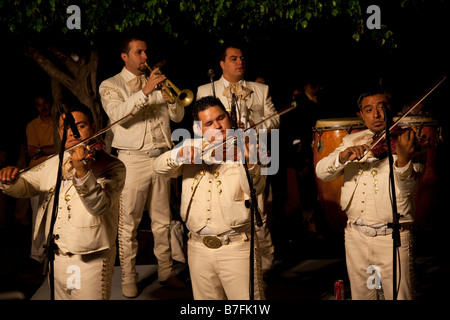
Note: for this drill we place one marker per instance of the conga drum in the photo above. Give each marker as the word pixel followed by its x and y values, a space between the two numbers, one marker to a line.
pixel 427 195
pixel 327 136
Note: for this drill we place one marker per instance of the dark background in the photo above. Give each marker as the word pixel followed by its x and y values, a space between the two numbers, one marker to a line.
pixel 324 51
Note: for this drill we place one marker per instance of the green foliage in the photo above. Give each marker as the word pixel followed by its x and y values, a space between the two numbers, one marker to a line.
pixel 212 17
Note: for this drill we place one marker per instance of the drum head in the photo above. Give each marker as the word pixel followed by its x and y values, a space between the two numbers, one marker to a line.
pixel 336 123
pixel 416 120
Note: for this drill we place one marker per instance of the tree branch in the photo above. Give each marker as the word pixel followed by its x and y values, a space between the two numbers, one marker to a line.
pixel 49 67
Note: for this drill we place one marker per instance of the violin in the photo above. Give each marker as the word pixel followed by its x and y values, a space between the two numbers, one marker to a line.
pixel 379 149
pixel 91 149
pixel 379 146
pixel 209 149
pixel 90 153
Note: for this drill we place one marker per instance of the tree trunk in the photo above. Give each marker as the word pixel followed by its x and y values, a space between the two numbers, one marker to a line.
pixel 77 74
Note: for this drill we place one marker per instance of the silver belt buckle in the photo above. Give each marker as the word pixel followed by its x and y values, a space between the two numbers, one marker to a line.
pixel 212 242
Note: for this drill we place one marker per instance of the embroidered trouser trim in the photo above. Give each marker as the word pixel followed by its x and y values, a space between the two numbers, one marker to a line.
pixel 144 190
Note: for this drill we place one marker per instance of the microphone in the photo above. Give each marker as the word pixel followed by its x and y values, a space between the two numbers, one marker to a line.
pixel 211 78
pixel 69 119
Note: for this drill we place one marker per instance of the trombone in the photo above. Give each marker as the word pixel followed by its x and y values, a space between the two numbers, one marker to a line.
pixel 184 97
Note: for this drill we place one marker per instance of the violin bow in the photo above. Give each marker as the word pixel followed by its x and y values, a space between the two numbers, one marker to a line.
pixel 381 137
pixel 213 146
pixel 98 133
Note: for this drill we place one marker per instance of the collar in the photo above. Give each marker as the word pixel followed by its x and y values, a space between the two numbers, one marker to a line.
pixel 226 82
pixel 127 75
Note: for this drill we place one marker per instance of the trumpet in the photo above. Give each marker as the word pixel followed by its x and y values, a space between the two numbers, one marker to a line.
pixel 184 97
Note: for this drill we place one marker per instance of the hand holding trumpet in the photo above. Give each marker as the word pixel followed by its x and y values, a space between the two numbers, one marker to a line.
pixel 170 92
pixel 154 82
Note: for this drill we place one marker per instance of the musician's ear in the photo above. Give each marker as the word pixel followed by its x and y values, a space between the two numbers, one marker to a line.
pixel 197 127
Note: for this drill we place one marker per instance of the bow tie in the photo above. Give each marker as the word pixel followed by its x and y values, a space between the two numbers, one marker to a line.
pixel 137 83
pixel 238 90
pixel 67 169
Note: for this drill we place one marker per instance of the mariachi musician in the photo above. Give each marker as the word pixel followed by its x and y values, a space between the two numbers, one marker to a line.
pixel 139 140
pixel 86 220
pixel 251 103
pixel 365 198
pixel 215 189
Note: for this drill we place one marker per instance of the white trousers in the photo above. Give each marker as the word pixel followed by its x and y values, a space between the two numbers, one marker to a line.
pixel 364 251
pixel 144 189
pixel 37 245
pixel 84 277
pixel 223 273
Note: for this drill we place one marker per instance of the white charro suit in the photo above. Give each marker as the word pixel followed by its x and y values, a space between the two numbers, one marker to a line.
pixel 256 107
pixel 365 197
pixel 213 204
pixel 139 140
pixel 86 223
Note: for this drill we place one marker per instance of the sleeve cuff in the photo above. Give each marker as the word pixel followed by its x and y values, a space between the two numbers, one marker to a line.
pixel 403 172
pixel 143 96
pixel 80 181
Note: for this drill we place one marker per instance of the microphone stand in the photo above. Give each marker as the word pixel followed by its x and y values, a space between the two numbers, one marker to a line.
pixel 211 78
pixel 253 205
pixel 50 246
pixel 395 216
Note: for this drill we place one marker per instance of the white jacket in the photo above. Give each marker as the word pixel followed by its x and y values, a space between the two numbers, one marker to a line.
pixel 118 101
pixel 88 214
pixel 365 192
pixel 212 195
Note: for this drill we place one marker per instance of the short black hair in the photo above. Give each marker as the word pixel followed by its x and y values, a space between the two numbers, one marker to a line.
pixel 204 104
pixel 371 92
pixel 126 39
pixel 83 109
pixel 223 50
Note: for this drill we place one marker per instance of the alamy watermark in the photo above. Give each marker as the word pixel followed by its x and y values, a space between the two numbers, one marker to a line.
pixel 74 21
pixel 74 280
pixel 374 21
pixel 374 281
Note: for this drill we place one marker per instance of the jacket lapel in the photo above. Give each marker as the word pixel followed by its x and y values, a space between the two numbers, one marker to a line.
pixel 220 87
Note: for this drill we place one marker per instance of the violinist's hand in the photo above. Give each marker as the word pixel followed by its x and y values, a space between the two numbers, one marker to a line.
pixel 153 81
pixel 8 175
pixel 190 154
pixel 78 154
pixel 353 153
pixel 405 148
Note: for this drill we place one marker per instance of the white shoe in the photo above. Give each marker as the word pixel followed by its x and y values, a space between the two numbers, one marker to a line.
pixel 129 290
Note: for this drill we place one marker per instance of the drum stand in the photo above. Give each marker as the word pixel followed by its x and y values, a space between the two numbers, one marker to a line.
pixel 395 216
